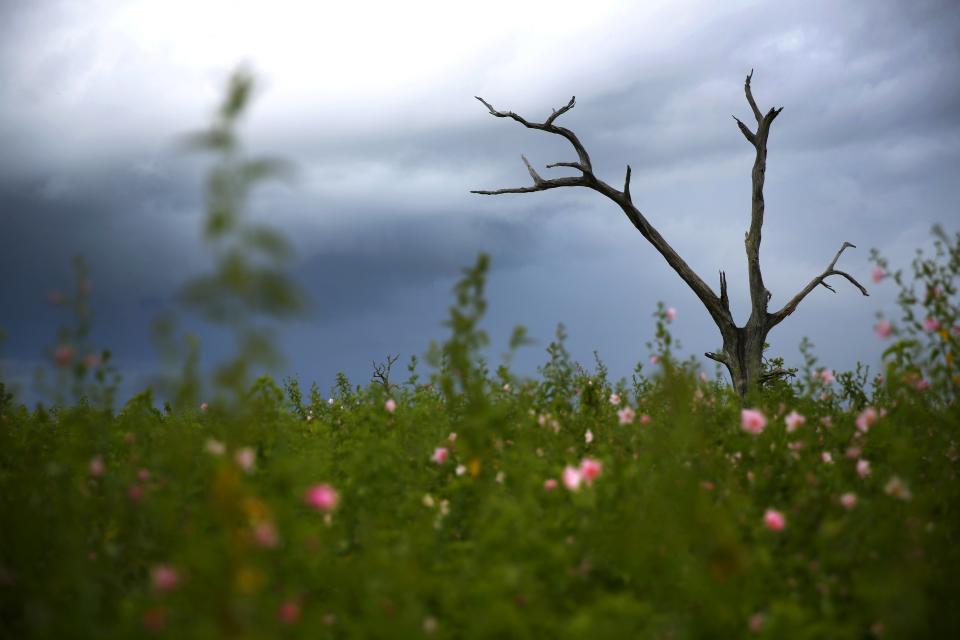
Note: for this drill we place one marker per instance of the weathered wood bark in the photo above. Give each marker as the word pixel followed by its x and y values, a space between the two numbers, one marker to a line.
pixel 742 351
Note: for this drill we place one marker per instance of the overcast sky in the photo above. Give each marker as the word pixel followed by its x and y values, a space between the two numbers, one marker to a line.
pixel 373 103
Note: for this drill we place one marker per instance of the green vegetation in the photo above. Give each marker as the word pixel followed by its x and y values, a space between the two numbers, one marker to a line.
pixel 468 503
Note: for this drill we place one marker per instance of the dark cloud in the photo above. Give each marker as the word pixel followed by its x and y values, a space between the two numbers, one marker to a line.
pixel 381 213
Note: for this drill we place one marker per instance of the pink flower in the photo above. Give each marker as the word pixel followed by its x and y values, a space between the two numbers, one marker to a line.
pixel 322 497
pixel 827 376
pixel 774 520
pixel 135 492
pixel 590 469
pixel 752 421
pixel 91 361
pixel 572 478
pixel 895 487
pixel 931 324
pixel 793 420
pixel 246 459
pixel 164 578
pixel 204 406
pixel 883 329
pixel 626 415
pixel 440 455
pixel 921 385
pixel 827 457
pixel 588 436
pixel 866 419
pixel 96 467
pixel 644 419
pixel 878 274
pixel 215 447
pixel 390 405
pixel 614 399
pixel 289 612
pixel 848 500
pixel 550 484
pixel 863 468
pixel 755 623
pixel 654 360
pixel 671 314
pixel 63 355
pixel 265 535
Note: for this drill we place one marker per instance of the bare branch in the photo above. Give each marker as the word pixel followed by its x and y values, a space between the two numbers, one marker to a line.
pixel 573 165
pixel 559 112
pixel 719 357
pixel 539 184
pixel 759 295
pixel 749 135
pixel 753 104
pixel 791 306
pixel 533 174
pixel 542 186
pixel 724 300
pixel 547 126
pixel 622 198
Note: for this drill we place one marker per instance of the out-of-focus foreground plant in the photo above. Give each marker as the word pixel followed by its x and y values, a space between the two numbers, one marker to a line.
pixel 926 347
pixel 249 283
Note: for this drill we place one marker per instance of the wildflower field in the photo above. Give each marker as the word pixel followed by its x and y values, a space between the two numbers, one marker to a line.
pixel 475 504
pixel 450 498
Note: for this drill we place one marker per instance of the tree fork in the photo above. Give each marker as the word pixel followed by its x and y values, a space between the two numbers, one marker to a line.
pixel 742 352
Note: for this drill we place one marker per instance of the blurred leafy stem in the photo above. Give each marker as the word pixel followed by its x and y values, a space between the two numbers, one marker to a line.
pixel 248 285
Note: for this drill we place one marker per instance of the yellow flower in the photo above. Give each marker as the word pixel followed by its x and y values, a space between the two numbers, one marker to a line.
pixel 248 580
pixel 257 510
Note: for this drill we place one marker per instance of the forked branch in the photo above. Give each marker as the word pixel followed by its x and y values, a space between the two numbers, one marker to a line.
pixel 759 295
pixel 719 312
pixel 548 126
pixel 790 307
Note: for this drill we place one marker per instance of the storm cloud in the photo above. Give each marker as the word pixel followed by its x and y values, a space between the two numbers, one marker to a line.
pixel 375 108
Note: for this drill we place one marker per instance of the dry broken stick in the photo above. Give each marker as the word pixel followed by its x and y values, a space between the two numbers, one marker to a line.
pixel 742 351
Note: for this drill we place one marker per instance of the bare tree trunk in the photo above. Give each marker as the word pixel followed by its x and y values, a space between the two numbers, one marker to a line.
pixel 742 351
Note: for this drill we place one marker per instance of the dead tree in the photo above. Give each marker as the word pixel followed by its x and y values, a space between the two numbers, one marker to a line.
pixel 742 351
pixel 381 372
